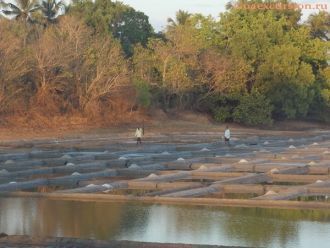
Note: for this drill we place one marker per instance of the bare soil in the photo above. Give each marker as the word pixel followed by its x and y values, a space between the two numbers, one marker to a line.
pixel 38 242
pixel 154 123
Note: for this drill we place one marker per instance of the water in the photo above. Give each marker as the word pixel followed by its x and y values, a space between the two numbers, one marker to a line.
pixel 166 223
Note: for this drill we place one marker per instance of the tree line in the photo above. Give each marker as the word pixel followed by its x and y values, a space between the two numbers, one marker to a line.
pixel 102 59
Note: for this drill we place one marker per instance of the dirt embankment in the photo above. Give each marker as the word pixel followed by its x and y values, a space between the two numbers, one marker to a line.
pixel 156 122
pixel 37 242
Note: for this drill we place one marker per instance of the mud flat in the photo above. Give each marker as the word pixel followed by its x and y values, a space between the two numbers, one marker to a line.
pixel 26 241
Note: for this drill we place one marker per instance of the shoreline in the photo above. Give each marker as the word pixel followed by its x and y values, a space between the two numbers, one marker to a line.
pixel 186 123
pixel 19 241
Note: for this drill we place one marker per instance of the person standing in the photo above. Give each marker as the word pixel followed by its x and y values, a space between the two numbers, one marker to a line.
pixel 138 135
pixel 227 136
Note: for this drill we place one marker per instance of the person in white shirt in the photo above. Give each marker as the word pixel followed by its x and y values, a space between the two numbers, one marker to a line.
pixel 138 135
pixel 227 135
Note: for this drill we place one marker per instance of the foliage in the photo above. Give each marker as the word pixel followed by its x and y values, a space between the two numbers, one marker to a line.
pixel 15 64
pixel 103 57
pixel 320 25
pixel 253 109
pixel 287 81
pixel 320 106
pixel 59 63
pixel 50 9
pixel 121 21
pixel 143 93
pixel 222 73
pixel 181 18
pixel 222 114
pixel 22 10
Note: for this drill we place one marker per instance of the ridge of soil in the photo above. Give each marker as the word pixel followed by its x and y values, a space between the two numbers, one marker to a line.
pixel 17 241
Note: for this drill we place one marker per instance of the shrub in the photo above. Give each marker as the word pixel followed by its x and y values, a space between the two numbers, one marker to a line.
pixel 253 109
pixel 222 114
pixel 143 93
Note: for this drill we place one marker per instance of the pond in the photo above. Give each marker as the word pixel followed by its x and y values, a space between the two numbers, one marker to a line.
pixel 252 227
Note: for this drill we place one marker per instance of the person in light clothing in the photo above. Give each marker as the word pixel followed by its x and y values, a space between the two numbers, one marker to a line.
pixel 227 136
pixel 138 135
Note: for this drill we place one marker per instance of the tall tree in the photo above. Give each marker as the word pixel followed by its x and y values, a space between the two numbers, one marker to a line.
pixel 15 65
pixel 181 18
pixel 117 19
pixel 132 27
pixel 284 58
pixel 75 69
pixel 286 81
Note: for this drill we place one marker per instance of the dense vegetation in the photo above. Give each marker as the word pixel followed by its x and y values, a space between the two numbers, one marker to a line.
pixel 102 60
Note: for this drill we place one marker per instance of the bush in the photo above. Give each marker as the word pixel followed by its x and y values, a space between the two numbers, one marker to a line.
pixel 143 93
pixel 222 114
pixel 254 109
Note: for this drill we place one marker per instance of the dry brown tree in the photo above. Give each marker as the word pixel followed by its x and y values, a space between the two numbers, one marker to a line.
pixel 14 64
pixel 59 58
pixel 76 70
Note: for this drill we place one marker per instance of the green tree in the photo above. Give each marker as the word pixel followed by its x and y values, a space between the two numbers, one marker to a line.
pixel 253 109
pixel 121 21
pixel 132 27
pixel 143 93
pixel 320 25
pixel 285 61
pixel 287 81
pixel 320 107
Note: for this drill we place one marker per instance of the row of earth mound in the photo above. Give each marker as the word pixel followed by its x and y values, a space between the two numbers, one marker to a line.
pixel 271 171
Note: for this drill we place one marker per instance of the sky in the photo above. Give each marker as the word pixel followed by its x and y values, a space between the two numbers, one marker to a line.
pixel 159 10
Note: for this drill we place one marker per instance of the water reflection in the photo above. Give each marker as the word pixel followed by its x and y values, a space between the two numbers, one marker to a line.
pixel 257 229
pixel 160 223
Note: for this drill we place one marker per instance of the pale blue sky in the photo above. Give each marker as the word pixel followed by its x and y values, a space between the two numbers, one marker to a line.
pixel 159 10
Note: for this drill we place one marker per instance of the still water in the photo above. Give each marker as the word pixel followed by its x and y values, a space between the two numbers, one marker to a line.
pixel 166 223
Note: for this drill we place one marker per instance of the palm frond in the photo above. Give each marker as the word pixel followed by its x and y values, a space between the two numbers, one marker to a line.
pixel 13 6
pixel 170 20
pixel 24 4
pixel 22 9
pixel 34 9
pixel 11 12
pixel 50 8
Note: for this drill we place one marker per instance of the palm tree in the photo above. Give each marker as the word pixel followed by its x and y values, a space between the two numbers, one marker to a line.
pixel 22 10
pixel 181 18
pixel 51 9
pixel 229 5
